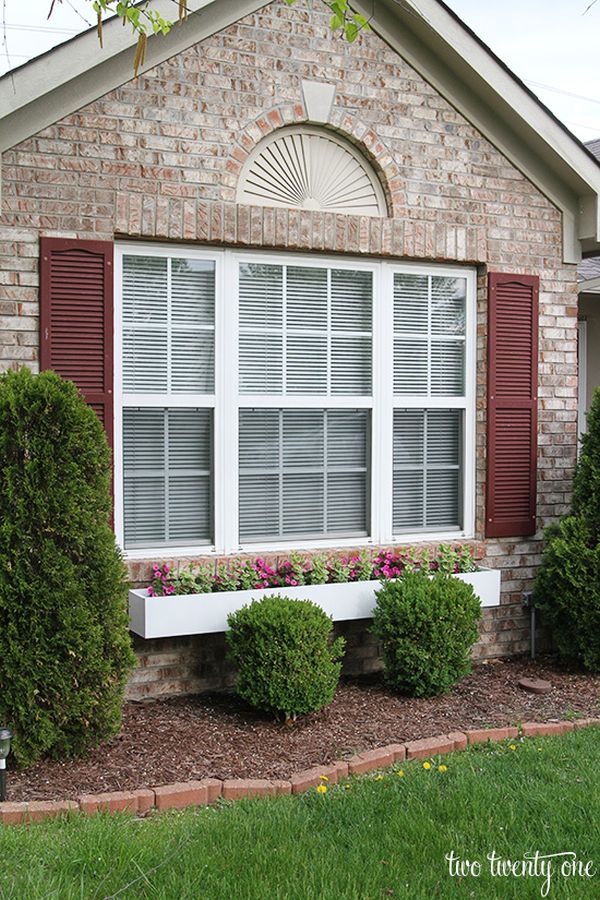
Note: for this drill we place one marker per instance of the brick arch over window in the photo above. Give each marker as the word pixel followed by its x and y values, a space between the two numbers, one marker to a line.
pixel 346 127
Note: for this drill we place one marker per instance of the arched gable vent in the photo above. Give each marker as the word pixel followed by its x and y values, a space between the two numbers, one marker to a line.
pixel 310 168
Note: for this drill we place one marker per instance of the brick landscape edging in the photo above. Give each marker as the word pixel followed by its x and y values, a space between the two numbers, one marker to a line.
pixel 208 790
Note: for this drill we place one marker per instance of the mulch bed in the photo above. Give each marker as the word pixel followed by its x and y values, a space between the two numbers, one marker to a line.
pixel 181 739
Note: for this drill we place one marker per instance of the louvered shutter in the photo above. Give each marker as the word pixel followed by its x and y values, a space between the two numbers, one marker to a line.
pixel 512 404
pixel 76 318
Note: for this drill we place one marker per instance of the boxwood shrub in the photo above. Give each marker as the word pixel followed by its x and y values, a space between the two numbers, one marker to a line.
pixel 287 662
pixel 65 650
pixel 427 627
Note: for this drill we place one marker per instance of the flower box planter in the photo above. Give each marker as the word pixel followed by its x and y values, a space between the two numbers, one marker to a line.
pixel 180 614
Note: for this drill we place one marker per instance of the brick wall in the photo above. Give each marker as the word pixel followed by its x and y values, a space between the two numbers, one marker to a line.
pixel 159 158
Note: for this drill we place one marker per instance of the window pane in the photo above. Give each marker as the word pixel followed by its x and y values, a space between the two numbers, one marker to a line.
pixel 427 469
pixel 168 325
pixel 305 330
pixel 167 476
pixel 304 473
pixel 429 335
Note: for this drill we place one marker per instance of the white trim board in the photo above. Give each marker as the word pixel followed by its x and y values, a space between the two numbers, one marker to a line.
pixel 424 32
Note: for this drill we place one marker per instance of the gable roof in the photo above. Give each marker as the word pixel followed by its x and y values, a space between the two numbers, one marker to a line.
pixel 426 33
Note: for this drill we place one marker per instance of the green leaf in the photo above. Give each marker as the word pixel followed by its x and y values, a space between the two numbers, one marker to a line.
pixel 351 31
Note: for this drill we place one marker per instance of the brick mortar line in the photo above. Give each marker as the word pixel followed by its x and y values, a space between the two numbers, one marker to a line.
pixel 207 790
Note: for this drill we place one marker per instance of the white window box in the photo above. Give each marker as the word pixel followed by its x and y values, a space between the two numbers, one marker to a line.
pixel 180 614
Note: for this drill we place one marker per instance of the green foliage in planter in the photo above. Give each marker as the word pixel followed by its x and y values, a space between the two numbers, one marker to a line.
pixel 427 627
pixel 287 662
pixel 567 591
pixel 65 650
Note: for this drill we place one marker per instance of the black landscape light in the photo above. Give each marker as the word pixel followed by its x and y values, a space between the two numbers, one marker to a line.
pixel 5 736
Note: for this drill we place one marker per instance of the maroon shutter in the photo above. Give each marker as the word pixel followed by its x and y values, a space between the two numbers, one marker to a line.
pixel 76 318
pixel 512 404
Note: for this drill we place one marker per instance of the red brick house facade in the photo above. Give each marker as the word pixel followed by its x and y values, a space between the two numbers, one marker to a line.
pixel 466 182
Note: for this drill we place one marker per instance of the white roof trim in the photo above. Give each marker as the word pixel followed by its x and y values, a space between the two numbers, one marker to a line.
pixel 424 32
pixel 591 286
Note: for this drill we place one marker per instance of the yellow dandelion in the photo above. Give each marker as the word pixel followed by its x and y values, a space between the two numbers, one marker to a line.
pixel 401 773
pixel 513 747
pixel 346 787
pixel 442 768
pixel 322 789
pixel 427 765
pixel 323 777
pixel 378 778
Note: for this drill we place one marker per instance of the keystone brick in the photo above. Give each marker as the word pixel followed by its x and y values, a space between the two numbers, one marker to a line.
pixel 459 738
pixel 178 796
pixel 481 735
pixel 371 759
pixel 236 788
pixel 429 747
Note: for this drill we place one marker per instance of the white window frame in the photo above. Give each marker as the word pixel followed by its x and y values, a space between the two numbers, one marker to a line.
pixel 226 400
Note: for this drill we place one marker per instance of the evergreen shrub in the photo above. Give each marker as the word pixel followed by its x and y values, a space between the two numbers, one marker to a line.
pixel 287 662
pixel 427 627
pixel 65 650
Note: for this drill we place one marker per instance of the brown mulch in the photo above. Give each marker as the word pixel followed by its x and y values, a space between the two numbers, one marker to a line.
pixel 217 735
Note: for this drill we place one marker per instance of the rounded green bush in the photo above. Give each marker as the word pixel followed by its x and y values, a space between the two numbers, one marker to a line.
pixel 427 627
pixel 65 650
pixel 567 591
pixel 287 663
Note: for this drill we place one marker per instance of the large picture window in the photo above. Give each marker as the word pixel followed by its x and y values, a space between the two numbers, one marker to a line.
pixel 275 401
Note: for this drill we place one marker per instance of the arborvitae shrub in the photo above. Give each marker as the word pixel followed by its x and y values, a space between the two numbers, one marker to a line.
pixel 65 650
pixel 567 588
pixel 567 591
pixel 427 627
pixel 586 484
pixel 287 663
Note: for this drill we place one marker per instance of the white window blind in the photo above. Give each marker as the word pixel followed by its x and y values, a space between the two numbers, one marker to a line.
pixel 167 476
pixel 303 473
pixel 427 470
pixel 168 325
pixel 429 335
pixel 305 330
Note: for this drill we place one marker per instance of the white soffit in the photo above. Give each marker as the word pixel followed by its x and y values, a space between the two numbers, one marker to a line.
pixel 310 168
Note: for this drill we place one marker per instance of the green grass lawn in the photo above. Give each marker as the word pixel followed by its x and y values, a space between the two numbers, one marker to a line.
pixel 379 837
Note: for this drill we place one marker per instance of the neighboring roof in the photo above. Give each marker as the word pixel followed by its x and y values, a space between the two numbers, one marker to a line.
pixel 426 33
pixel 588 270
pixel 594 147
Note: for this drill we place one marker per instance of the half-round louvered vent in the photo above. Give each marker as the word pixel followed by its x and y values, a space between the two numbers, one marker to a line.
pixel 308 168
